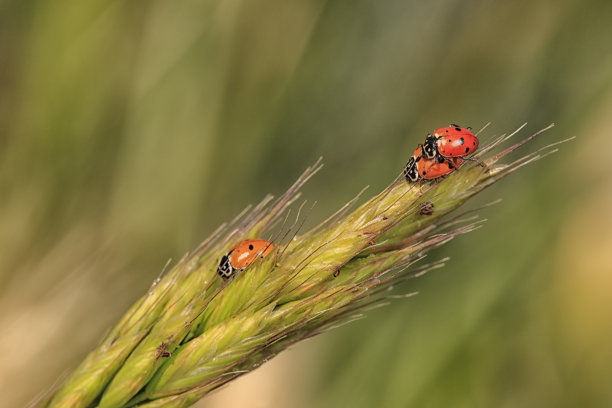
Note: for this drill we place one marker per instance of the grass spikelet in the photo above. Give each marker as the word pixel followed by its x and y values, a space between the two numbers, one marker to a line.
pixel 192 332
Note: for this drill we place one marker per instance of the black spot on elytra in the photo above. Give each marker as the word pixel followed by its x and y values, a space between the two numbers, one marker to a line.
pixel 251 247
pixel 467 149
pixel 458 129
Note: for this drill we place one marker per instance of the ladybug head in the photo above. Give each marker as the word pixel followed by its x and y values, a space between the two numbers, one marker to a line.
pixel 430 149
pixel 410 171
pixel 225 269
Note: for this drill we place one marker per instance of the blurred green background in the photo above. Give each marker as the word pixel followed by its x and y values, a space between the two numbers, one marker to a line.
pixel 130 130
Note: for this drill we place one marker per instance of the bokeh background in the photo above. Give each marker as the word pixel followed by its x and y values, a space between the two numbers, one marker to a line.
pixel 130 130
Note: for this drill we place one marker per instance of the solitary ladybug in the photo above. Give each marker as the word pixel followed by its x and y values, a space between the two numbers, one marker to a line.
pixel 419 167
pixel 452 141
pixel 242 255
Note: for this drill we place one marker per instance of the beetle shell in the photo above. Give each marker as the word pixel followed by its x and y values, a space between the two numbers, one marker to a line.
pixel 451 141
pixel 420 167
pixel 242 255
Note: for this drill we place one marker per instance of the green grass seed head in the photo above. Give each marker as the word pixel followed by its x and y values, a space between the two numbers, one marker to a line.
pixel 193 331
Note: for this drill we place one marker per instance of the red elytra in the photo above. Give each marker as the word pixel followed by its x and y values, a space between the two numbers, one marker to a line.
pixel 419 167
pixel 451 141
pixel 242 255
pixel 430 169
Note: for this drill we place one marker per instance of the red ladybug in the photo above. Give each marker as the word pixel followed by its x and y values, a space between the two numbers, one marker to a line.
pixel 449 142
pixel 242 255
pixel 419 167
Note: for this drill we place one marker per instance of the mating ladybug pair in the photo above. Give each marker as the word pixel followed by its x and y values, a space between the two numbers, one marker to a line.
pixel 441 154
pixel 242 255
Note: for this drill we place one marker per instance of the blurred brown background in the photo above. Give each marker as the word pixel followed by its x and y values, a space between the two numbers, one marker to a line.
pixel 130 130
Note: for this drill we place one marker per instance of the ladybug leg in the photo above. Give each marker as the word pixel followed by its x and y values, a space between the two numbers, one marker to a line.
pixel 420 185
